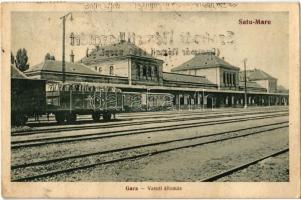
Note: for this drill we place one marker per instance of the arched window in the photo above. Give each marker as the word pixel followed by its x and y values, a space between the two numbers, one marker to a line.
pixel 95 68
pixel 228 79
pixel 149 70
pixel 155 71
pixel 100 70
pixel 144 71
pixel 111 70
pixel 224 78
pixel 138 71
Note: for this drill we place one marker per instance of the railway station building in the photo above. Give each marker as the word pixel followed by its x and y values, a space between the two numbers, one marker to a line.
pixel 206 80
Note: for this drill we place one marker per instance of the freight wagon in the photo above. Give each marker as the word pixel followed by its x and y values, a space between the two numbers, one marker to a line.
pixel 68 100
pixel 28 98
pixel 136 101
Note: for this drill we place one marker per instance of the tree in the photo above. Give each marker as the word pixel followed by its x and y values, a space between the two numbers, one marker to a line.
pixel 12 58
pixel 21 60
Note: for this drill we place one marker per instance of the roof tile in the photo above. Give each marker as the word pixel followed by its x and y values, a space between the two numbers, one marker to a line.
pixel 51 65
pixel 16 73
pixel 185 78
pixel 120 49
pixel 256 74
pixel 204 60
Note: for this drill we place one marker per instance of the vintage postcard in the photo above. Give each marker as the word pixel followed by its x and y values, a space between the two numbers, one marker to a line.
pixel 150 100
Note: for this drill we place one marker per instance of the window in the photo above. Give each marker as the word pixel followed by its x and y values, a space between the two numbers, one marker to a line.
pixel 100 70
pixel 111 70
pixel 149 74
pixel 234 81
pixel 155 71
pixel 95 68
pixel 144 71
pixel 227 78
pixel 138 71
pixel 224 78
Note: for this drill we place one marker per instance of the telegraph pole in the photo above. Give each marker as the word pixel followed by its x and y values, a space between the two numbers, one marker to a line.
pixel 245 77
pixel 63 50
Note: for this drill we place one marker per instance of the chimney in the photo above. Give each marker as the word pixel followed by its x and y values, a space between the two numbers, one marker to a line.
pixel 122 37
pixel 131 37
pixel 71 57
pixel 87 52
pixel 72 39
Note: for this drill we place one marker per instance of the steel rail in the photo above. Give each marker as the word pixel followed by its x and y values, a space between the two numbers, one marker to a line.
pixel 155 152
pixel 139 146
pixel 243 166
pixel 53 130
pixel 102 135
pixel 150 122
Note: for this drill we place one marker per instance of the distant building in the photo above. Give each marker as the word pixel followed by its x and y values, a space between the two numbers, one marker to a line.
pixel 214 68
pixel 261 78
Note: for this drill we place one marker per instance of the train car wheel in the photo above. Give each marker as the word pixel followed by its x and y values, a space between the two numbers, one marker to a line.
pixel 20 119
pixel 13 120
pixel 71 118
pixel 95 116
pixel 107 116
pixel 60 117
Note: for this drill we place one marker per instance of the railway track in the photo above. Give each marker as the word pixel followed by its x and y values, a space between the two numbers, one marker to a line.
pixel 110 134
pixel 109 124
pixel 79 162
pixel 143 122
pixel 243 166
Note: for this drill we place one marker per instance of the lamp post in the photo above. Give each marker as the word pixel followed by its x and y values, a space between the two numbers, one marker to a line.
pixel 203 99
pixel 63 50
pixel 245 78
pixel 147 91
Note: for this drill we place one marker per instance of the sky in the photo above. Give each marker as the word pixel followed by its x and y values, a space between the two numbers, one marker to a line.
pixel 264 46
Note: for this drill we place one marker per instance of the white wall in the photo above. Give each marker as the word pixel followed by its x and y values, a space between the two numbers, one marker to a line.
pixel 212 74
pixel 120 67
pixel 263 83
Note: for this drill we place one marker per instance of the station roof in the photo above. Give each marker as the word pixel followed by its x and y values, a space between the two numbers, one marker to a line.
pixel 282 89
pixel 118 50
pixel 204 60
pixel 16 73
pixel 185 78
pixel 56 66
pixel 250 84
pixel 257 74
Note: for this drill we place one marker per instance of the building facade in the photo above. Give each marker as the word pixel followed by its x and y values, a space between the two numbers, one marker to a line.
pixel 205 80
pixel 261 78
pixel 214 68
pixel 125 59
